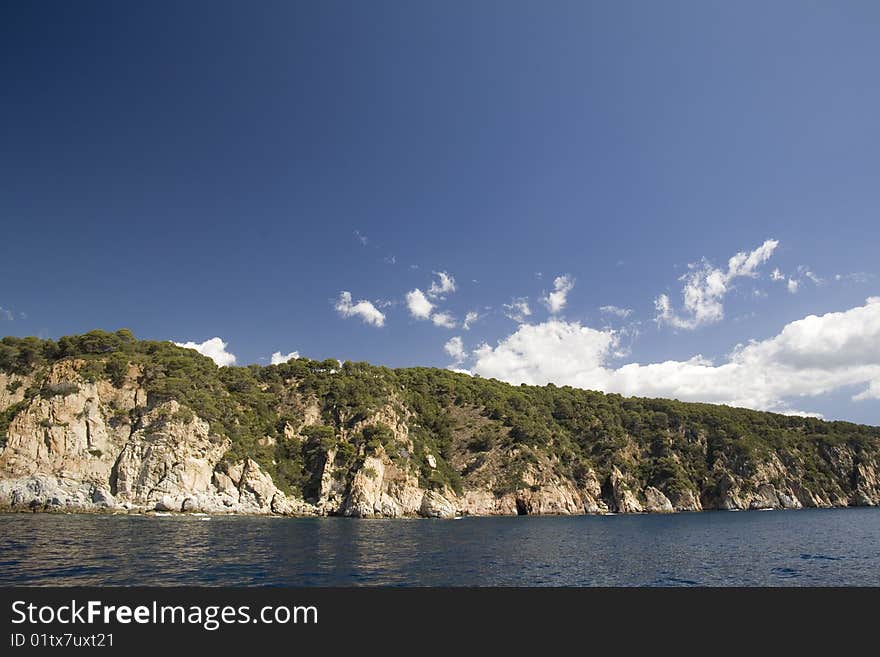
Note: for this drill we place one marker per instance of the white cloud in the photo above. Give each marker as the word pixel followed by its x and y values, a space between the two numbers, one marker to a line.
pixel 278 358
pixel 445 284
pixel 215 349
pixel 554 351
pixel 705 287
pixel 623 313
pixel 871 392
pixel 363 239
pixel 444 319
pixel 804 273
pixel 363 309
pixel 855 277
pixel 421 305
pixel 390 260
pixel 455 348
pixel 6 314
pixel 807 273
pixel 469 319
pixel 811 356
pixel 518 309
pixel 418 304
pixel 556 300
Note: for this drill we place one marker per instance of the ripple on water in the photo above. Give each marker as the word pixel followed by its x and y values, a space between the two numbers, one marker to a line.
pixel 816 547
pixel 820 557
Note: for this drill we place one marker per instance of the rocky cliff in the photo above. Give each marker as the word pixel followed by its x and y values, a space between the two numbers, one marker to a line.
pixel 129 426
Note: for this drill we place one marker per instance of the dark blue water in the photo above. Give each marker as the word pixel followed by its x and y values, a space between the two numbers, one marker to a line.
pixel 774 548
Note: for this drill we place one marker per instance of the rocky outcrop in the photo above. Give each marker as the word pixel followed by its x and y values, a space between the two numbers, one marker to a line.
pixel 74 447
pixel 866 486
pixel 623 500
pixel 381 489
pixel 685 500
pixel 435 505
pixel 657 502
pixel 79 443
pixel 486 503
pixel 12 389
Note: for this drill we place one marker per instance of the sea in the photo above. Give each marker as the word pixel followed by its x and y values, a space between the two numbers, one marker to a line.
pixel 829 547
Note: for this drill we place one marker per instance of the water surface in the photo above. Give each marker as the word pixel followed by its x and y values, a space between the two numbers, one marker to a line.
pixel 773 548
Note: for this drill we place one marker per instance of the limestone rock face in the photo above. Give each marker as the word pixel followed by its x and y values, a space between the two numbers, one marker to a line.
pixel 435 505
pixel 591 494
pixel 73 447
pixel 765 498
pixel 12 387
pixel 685 500
pixel 622 497
pixel 167 459
pixel 486 503
pixel 61 432
pixel 549 498
pixel 79 444
pixel 68 430
pixel 379 486
pixel 867 491
pixel 657 502
pixel 381 489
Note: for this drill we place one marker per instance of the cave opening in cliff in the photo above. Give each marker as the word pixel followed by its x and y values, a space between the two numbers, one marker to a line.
pixel 521 508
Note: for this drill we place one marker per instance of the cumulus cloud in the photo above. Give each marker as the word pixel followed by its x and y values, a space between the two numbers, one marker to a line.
pixel 556 351
pixel 706 286
pixel 811 356
pixel 215 349
pixel 444 319
pixel 623 313
pixel 777 275
pixel 455 348
pixel 518 309
pixel 363 309
pixel 445 284
pixel 871 392
pixel 469 320
pixel 418 304
pixel 793 285
pixel 278 358
pixel 556 300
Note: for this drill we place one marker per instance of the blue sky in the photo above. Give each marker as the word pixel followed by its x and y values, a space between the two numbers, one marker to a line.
pixel 192 170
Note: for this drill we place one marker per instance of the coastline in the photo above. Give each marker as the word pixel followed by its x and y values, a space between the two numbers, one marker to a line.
pixel 145 512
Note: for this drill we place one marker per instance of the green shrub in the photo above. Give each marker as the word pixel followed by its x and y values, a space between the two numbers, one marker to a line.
pixel 183 415
pixel 61 389
pixel 666 443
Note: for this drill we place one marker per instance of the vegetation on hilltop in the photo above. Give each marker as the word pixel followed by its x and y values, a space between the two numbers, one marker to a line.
pixel 664 443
